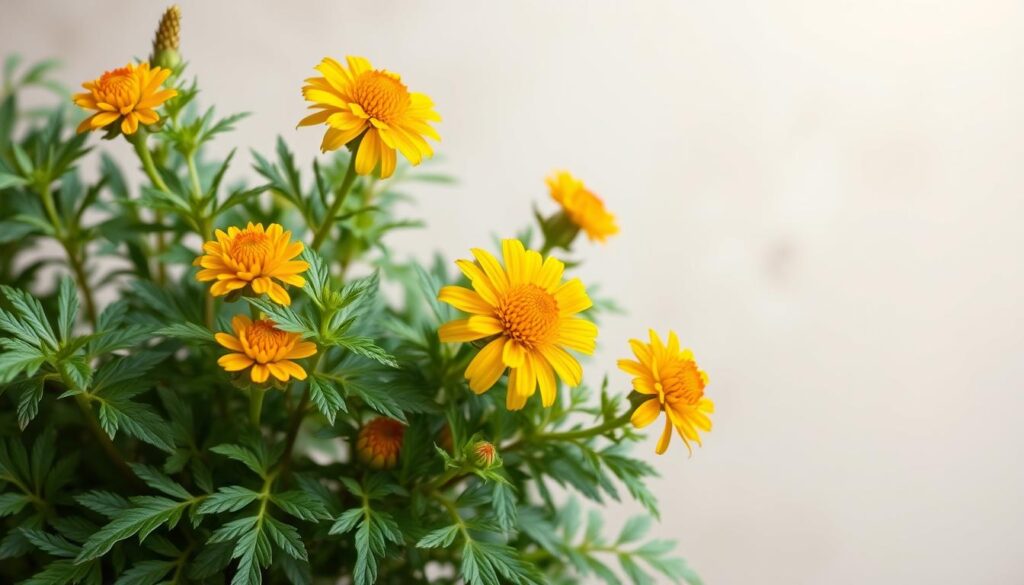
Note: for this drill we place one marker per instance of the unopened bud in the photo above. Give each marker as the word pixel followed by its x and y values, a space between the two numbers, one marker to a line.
pixel 168 40
pixel 484 455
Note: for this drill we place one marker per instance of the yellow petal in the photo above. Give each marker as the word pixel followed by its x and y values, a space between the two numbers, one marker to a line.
pixel 646 413
pixel 458 330
pixel 486 367
pixel 465 300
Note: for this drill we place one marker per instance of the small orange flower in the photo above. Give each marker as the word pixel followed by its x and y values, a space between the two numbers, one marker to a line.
pixel 670 378
pixel 252 257
pixel 584 208
pixel 379 442
pixel 260 345
pixel 129 94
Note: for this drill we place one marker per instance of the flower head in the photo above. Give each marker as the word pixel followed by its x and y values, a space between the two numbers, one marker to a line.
pixel 379 442
pixel 484 455
pixel 584 208
pixel 669 377
pixel 359 100
pixel 252 257
pixel 530 313
pixel 264 348
pixel 129 94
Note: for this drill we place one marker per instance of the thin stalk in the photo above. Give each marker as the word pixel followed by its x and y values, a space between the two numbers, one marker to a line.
pixel 77 264
pixel 297 416
pixel 138 141
pixel 585 433
pixel 256 405
pixel 339 198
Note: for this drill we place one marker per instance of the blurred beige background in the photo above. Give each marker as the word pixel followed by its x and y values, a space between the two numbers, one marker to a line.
pixel 823 197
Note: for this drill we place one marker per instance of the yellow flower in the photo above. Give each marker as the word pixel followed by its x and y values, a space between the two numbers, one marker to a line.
pixel 584 209
pixel 531 312
pixel 252 257
pixel 265 348
pixel 359 100
pixel 379 442
pixel 670 377
pixel 129 94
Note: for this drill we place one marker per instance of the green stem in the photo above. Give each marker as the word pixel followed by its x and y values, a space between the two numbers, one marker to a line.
pixel 138 141
pixel 297 417
pixel 193 175
pixel 586 433
pixel 77 264
pixel 442 480
pixel 453 511
pixel 339 199
pixel 256 405
pixel 78 267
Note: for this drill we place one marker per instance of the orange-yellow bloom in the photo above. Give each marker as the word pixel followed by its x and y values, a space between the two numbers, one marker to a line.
pixel 359 100
pixel 379 442
pixel 670 377
pixel 252 257
pixel 130 94
pixel 530 313
pixel 264 348
pixel 584 208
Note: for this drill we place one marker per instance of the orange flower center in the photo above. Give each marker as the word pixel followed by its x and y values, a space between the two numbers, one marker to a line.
pixel 262 335
pixel 119 87
pixel 381 95
pixel 250 247
pixel 529 314
pixel 680 382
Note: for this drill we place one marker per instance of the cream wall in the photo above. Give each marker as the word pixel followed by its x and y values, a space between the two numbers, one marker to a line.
pixel 823 197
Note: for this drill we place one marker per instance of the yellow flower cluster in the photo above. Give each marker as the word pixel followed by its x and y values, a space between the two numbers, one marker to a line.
pixel 521 311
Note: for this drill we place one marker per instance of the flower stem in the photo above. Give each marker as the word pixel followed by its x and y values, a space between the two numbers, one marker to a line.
pixel 339 199
pixel 74 261
pixel 138 140
pixel 256 405
pixel 586 433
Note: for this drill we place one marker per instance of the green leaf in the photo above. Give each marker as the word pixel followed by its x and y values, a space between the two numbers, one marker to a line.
pixel 63 572
pixel 139 421
pixel 147 514
pixel 186 331
pixel 57 546
pixel 146 573
pixel 284 318
pixel 33 326
pixel 18 357
pixel 301 505
pixel 286 537
pixel 442 537
pixel 635 529
pixel 326 398
pixel 228 499
pixel 8 180
pixel 108 504
pixel 243 456
pixel 11 504
pixel 366 347
pixel 67 305
pixel 347 521
pixel 28 402
pixel 160 482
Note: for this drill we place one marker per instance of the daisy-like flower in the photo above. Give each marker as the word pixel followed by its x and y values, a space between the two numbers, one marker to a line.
pixel 670 378
pixel 583 208
pixel 359 100
pixel 379 442
pixel 264 348
pixel 130 94
pixel 252 257
pixel 529 312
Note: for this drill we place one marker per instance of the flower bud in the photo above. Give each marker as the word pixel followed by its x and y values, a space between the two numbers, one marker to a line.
pixel 167 40
pixel 379 442
pixel 484 455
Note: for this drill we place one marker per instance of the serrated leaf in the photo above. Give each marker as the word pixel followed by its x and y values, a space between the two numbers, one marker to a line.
pixel 242 455
pixel 160 482
pixel 11 503
pixel 301 505
pixel 228 499
pixel 147 514
pixel 67 305
pixel 326 398
pixel 146 573
pixel 439 538
pixel 186 331
pixel 286 537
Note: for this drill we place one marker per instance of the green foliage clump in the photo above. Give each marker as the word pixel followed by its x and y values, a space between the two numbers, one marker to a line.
pixel 128 456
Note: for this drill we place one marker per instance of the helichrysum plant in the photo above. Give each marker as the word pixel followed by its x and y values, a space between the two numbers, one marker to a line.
pixel 201 380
